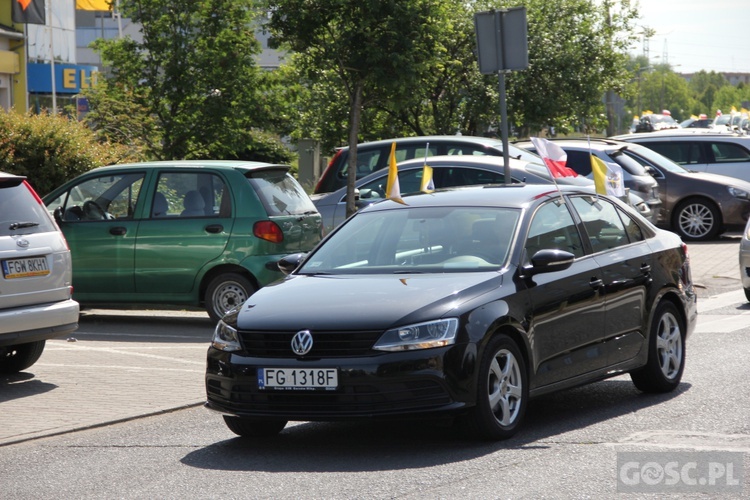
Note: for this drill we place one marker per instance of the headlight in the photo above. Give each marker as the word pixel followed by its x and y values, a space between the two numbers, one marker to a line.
pixel 420 336
pixel 739 193
pixel 225 338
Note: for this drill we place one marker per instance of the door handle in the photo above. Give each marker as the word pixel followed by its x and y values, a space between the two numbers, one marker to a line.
pixel 118 230
pixel 596 283
pixel 645 268
pixel 214 228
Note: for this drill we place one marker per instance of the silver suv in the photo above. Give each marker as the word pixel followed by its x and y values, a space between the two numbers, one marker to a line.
pixel 715 153
pixel 35 286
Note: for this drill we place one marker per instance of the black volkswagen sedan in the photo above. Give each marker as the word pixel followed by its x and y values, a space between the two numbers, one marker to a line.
pixel 467 302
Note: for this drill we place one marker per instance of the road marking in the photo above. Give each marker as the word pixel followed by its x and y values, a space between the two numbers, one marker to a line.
pixel 721 323
pixel 699 441
pixel 721 300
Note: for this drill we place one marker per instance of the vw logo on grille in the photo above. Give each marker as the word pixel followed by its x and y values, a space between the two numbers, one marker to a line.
pixel 302 342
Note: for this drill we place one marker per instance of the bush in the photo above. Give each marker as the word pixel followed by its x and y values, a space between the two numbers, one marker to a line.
pixel 50 150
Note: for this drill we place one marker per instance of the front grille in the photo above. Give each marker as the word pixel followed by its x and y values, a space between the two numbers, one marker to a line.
pixel 357 399
pixel 326 344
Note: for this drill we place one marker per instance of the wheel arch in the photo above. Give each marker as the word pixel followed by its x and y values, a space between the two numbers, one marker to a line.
pixel 219 270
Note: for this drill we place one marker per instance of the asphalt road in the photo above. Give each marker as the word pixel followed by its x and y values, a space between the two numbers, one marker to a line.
pixel 116 414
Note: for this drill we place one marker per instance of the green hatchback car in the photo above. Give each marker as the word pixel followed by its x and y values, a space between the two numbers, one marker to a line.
pixel 192 233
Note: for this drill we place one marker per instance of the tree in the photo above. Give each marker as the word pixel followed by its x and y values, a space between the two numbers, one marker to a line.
pixel 368 50
pixel 704 85
pixel 663 89
pixel 194 74
pixel 52 149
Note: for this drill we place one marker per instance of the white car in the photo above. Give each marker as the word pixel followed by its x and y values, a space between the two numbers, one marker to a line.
pixel 36 281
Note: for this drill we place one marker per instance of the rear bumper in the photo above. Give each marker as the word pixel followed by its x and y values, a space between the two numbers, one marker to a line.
pixel 31 324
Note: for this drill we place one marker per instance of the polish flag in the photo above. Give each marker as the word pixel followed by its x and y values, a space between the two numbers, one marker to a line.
pixel 554 157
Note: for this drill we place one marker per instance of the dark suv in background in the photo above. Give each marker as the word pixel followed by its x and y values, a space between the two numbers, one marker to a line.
pixel 372 156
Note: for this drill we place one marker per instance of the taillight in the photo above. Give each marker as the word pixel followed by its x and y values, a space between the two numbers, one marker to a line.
pixel 269 231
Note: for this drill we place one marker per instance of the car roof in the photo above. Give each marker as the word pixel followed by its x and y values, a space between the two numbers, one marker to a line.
pixel 483 141
pixel 490 195
pixel 597 143
pixel 678 134
pixel 195 164
pixel 477 160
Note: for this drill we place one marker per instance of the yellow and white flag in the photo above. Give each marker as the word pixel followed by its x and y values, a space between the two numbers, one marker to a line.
pixel 607 177
pixel 392 189
pixel 428 184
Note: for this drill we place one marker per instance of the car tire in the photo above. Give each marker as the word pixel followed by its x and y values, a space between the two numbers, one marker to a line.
pixel 225 292
pixel 15 358
pixel 697 219
pixel 747 294
pixel 502 391
pixel 666 352
pixel 252 427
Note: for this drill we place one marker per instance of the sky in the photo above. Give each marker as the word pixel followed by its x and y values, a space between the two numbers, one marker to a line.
pixel 694 35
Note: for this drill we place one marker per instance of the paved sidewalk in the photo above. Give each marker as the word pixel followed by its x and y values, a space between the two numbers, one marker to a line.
pixel 95 381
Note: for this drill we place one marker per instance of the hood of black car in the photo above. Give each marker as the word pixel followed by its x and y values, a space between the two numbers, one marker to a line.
pixel 357 302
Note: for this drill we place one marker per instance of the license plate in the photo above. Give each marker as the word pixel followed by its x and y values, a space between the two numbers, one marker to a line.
pixel 298 378
pixel 23 268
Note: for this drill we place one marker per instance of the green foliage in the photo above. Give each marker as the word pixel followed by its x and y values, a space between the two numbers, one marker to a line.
pixel 577 51
pixel 51 150
pixel 193 81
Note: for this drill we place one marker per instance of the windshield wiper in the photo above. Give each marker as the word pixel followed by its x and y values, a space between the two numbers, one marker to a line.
pixel 22 225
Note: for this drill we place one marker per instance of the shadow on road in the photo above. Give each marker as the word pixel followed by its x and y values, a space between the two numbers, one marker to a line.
pixel 394 445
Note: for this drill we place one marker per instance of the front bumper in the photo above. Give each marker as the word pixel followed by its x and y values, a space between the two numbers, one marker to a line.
pixel 381 385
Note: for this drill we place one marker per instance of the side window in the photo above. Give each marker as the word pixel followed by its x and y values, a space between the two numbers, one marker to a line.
pixel 580 161
pixel 190 194
pixel 105 197
pixel 603 225
pixel 409 181
pixel 728 152
pixel 553 228
pixel 465 149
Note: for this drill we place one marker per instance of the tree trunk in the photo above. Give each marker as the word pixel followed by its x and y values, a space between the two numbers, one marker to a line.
pixel 354 117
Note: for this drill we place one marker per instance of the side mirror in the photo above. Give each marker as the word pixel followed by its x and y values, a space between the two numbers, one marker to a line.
pixel 58 215
pixel 289 263
pixel 549 260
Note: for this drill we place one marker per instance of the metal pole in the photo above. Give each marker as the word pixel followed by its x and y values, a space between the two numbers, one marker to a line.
pixel 504 126
pixel 51 57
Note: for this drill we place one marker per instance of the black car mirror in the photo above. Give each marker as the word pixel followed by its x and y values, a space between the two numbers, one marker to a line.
pixel 58 215
pixel 549 260
pixel 289 263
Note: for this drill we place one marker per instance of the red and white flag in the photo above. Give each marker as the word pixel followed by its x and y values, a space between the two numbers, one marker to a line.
pixel 554 157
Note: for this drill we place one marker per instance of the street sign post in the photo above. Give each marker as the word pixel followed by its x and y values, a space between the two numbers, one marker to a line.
pixel 502 47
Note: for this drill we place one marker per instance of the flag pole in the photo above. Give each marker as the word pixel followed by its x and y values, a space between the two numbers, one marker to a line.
pixel 48 8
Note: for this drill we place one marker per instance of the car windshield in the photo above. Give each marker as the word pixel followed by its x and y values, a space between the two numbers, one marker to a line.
pixel 418 240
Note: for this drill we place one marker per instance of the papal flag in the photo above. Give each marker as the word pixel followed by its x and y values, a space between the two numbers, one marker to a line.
pixel 392 189
pixel 607 177
pixel 94 4
pixel 428 184
pixel 28 11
